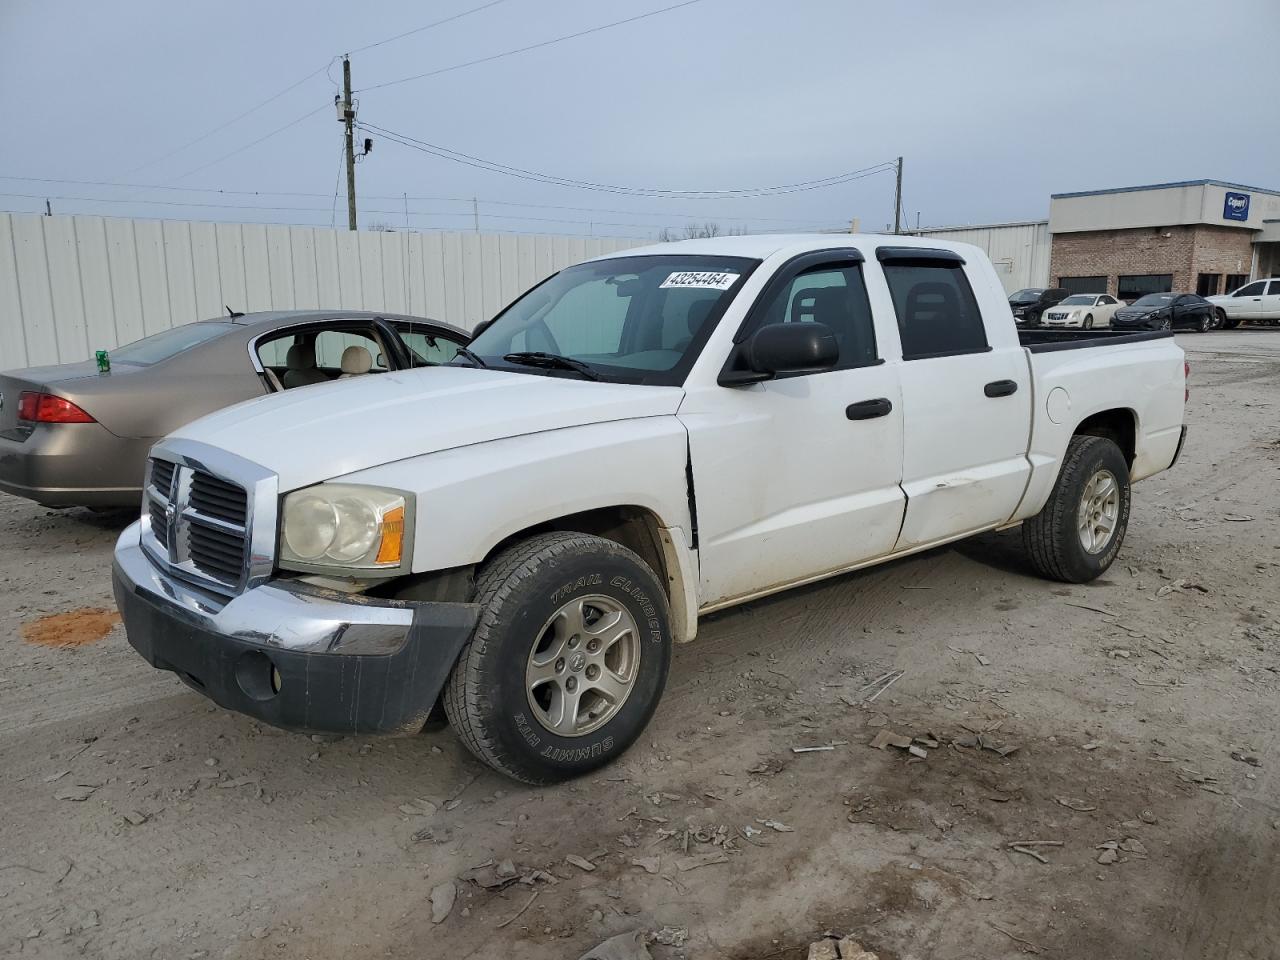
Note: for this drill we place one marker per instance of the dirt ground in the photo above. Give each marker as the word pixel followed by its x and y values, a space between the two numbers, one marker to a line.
pixel 136 820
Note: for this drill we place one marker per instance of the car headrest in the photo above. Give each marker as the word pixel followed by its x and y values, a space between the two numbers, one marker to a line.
pixel 356 360
pixel 931 298
pixel 817 304
pixel 301 356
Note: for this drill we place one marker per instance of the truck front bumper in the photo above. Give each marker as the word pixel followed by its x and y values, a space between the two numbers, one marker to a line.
pixel 294 656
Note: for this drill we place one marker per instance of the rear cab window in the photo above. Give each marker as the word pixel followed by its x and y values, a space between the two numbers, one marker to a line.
pixel 937 312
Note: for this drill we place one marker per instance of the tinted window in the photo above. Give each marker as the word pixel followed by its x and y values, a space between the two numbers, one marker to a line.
pixel 1083 284
pixel 835 296
pixel 1275 288
pixel 170 343
pixel 937 314
pixel 1251 290
pixel 1134 286
pixel 1026 296
pixel 1154 300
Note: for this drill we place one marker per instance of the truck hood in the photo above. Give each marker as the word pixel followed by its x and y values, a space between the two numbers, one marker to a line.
pixel 316 433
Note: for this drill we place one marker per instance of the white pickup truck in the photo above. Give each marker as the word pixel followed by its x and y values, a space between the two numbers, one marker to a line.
pixel 640 439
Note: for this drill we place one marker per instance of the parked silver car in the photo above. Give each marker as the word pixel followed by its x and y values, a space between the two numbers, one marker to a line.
pixel 75 435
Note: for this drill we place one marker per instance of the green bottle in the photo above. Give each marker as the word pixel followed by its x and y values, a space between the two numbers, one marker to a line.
pixel 104 361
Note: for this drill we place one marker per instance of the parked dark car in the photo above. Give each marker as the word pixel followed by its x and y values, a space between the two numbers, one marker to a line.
pixel 75 435
pixel 1029 305
pixel 1168 311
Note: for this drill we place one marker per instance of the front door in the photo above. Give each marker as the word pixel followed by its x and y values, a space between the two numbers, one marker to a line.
pixel 798 476
pixel 966 394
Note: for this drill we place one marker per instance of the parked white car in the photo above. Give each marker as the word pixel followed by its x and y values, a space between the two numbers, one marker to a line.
pixel 637 441
pixel 1085 310
pixel 1256 302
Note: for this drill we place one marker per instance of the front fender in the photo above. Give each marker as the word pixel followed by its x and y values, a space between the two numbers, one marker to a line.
pixel 471 498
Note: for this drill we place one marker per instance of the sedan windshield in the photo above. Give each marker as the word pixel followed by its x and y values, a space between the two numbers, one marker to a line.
pixel 169 343
pixel 631 319
pixel 1079 300
pixel 1154 300
pixel 1025 296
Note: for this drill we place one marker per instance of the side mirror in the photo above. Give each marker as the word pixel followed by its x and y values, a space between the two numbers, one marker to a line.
pixel 780 348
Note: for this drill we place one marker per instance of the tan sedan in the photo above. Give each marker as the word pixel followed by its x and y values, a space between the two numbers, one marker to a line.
pixel 72 435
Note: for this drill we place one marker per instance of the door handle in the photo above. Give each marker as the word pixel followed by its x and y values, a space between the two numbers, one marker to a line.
pixel 869 409
pixel 1000 388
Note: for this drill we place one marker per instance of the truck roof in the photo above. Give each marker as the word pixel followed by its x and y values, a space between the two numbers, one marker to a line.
pixel 762 246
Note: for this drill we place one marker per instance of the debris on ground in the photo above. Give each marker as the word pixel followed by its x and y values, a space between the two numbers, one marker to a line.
pixel 442 897
pixel 671 936
pixel 1248 758
pixel 582 863
pixel 625 946
pixel 1109 852
pixel 420 807
pixel 77 792
pixel 647 864
pixel 1025 846
pixel 890 738
pixel 1076 804
pixel 838 948
pixel 980 742
pixel 685 864
pixel 777 826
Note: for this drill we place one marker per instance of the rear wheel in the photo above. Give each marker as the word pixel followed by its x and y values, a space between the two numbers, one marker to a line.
pixel 1077 535
pixel 568 661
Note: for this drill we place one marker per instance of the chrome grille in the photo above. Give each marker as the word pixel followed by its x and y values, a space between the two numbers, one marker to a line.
pixel 199 523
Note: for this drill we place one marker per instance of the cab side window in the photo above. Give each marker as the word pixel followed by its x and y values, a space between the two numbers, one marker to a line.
pixel 937 313
pixel 1252 290
pixel 834 295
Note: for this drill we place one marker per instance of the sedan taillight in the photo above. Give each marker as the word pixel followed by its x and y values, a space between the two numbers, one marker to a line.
pixel 46 408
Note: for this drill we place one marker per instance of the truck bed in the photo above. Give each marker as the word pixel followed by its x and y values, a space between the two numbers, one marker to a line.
pixel 1048 339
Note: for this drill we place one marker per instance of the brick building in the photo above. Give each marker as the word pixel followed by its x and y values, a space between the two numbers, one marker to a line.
pixel 1201 236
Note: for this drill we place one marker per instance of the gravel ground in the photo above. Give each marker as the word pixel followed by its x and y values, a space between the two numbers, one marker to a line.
pixel 140 821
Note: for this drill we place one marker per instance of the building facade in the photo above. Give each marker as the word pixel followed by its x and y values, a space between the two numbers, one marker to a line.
pixel 1202 236
pixel 1019 251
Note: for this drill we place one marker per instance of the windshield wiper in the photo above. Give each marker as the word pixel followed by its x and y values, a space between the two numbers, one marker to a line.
pixel 476 359
pixel 536 358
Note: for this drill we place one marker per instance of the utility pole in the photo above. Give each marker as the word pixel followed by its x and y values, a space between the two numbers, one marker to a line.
pixel 349 121
pixel 897 200
pixel 475 212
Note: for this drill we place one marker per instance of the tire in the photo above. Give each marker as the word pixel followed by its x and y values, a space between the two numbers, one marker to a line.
pixel 1053 538
pixel 1165 323
pixel 531 594
pixel 1088 322
pixel 1225 322
pixel 1205 323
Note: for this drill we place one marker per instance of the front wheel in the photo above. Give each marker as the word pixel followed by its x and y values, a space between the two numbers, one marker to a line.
pixel 1205 323
pixel 1078 533
pixel 1088 322
pixel 1164 323
pixel 568 661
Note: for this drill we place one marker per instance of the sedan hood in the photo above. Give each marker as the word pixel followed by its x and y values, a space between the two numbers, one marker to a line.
pixel 316 433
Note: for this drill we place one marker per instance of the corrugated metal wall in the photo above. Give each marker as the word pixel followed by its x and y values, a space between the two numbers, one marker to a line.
pixel 73 285
pixel 1019 251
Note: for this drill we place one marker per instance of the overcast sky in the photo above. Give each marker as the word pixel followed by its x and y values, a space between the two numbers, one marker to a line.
pixel 994 105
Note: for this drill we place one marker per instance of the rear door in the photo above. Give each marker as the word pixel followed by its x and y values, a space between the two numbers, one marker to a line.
pixel 798 476
pixel 966 396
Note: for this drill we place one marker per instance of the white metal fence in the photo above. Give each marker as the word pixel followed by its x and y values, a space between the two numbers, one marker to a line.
pixel 1019 251
pixel 73 285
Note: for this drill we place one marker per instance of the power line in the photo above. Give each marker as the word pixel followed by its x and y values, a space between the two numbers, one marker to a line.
pixel 532 46
pixel 254 143
pixel 437 23
pixel 400 196
pixel 492 166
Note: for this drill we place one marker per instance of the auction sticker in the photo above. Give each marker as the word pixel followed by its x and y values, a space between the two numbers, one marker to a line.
pixel 701 280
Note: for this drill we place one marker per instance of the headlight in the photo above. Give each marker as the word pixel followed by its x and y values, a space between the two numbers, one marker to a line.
pixel 344 526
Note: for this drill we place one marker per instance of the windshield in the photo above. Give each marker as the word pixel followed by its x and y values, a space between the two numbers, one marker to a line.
pixel 1079 300
pixel 1025 296
pixel 630 319
pixel 1153 300
pixel 169 343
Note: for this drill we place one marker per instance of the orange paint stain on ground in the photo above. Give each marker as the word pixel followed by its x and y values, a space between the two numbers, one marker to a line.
pixel 78 628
